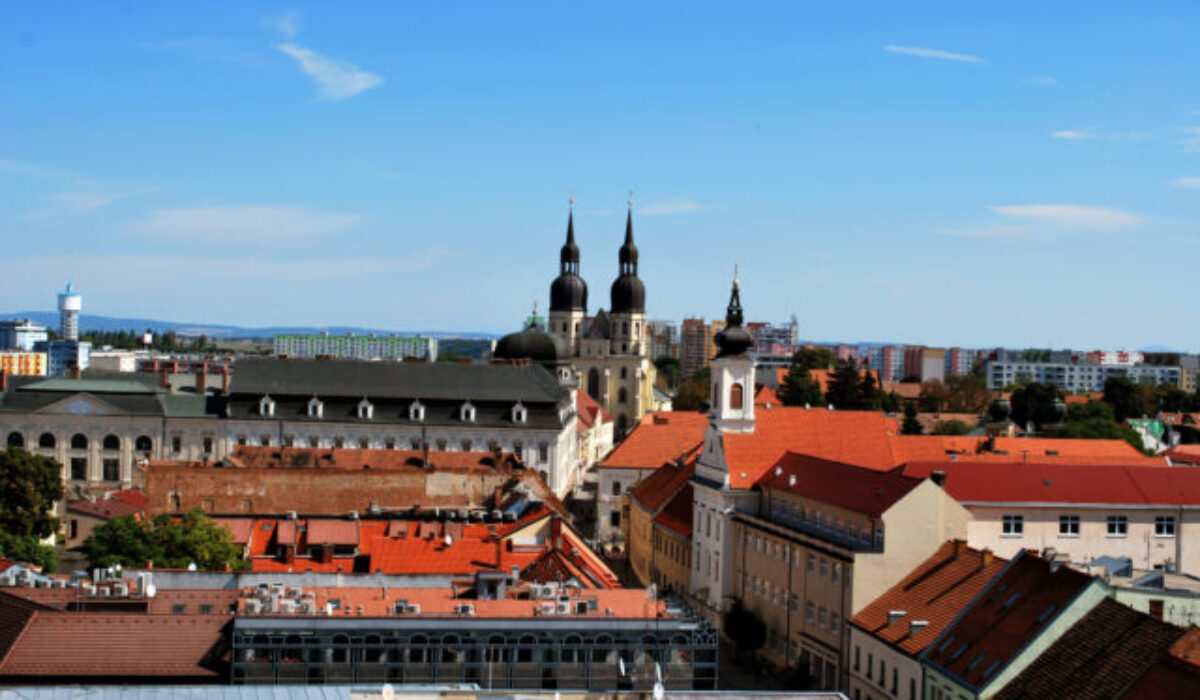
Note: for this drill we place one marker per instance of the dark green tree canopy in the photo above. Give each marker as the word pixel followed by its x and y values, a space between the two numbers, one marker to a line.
pixel 799 388
pixel 168 542
pixel 910 425
pixel 29 486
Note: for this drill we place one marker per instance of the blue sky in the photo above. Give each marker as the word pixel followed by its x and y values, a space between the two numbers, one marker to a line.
pixel 1026 174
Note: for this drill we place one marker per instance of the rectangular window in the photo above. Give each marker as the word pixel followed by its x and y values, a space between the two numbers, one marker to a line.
pixel 176 444
pixel 1013 526
pixel 812 563
pixel 112 469
pixel 870 665
pixel 1068 526
pixel 857 657
pixel 1118 526
pixel 208 445
pixel 1164 526
pixel 206 609
pixel 178 609
pixel 79 467
pixel 824 568
pixel 543 453
pixel 810 612
pixel 882 673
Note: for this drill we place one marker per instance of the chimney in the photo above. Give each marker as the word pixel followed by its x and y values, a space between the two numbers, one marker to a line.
pixel 164 378
pixel 939 478
pixel 149 563
pixel 987 558
pixel 202 378
pixel 225 378
pixel 960 548
pixel 76 373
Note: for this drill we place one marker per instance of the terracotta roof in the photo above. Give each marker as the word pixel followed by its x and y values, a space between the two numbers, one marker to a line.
pixel 677 514
pixel 134 497
pixel 257 457
pixel 240 528
pixel 343 532
pixel 766 396
pixel 1105 651
pixel 1083 399
pixel 935 592
pixel 631 603
pixel 861 490
pixel 106 508
pixel 655 490
pixel 1184 454
pixel 67 644
pixel 659 438
pixel 1016 607
pixel 590 411
pixel 905 390
pixel 969 481
pixel 1187 647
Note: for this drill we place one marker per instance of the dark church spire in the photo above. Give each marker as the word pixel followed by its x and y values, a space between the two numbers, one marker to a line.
pixel 733 339
pixel 568 292
pixel 628 294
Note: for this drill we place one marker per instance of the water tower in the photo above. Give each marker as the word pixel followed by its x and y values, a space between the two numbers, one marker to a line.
pixel 69 306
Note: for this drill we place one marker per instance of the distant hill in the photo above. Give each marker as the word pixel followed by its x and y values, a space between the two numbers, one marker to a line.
pixel 88 322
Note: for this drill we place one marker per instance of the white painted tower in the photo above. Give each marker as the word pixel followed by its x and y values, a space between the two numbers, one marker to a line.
pixel 70 303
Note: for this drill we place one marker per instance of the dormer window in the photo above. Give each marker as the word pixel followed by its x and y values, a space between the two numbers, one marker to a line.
pixel 466 413
pixel 520 414
pixel 365 410
pixel 266 406
pixel 316 409
pixel 416 411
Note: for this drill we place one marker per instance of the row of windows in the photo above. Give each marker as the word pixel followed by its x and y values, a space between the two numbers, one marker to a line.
pixel 883 679
pixel 79 441
pixel 791 512
pixel 416 410
pixel 110 469
pixel 769 592
pixel 365 443
pixel 1068 525
pixel 823 567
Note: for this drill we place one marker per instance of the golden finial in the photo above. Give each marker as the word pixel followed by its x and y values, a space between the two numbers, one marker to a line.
pixel 571 201
pixel 630 200
pixel 735 274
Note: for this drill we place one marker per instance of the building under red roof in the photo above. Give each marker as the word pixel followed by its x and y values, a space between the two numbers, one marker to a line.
pixel 112 505
pixel 911 614
pixel 858 489
pixel 658 439
pixel 677 514
pixel 974 482
pixel 1013 610
pixel 590 412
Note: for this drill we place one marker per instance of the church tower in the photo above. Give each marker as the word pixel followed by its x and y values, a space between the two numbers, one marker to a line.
pixel 628 311
pixel 568 295
pixel 733 372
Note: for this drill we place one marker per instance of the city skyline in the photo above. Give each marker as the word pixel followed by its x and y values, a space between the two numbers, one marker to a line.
pixel 924 176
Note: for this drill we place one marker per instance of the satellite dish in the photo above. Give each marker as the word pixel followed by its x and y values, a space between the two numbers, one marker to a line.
pixel 192 566
pixel 388 693
pixel 151 589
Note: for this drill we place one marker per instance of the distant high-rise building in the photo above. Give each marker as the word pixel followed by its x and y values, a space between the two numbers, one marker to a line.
pixel 771 339
pixel 696 345
pixel 358 347
pixel 664 339
pixel 70 303
pixel 887 360
pixel 21 334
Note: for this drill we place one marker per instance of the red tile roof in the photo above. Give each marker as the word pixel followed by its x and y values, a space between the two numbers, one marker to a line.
pixel 1184 454
pixel 257 457
pixel 590 411
pixel 677 514
pixel 1187 647
pixel 766 396
pixel 336 532
pixel 858 489
pixel 1016 607
pixel 653 492
pixel 1106 650
pixel 935 592
pixel 112 505
pixel 123 645
pixel 970 481
pixel 659 438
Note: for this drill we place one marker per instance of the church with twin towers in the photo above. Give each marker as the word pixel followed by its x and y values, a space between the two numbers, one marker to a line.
pixel 608 353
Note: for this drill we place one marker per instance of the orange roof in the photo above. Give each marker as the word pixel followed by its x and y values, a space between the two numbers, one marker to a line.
pixel 659 438
pixel 822 376
pixel 766 396
pixel 858 489
pixel 677 514
pixel 905 390
pixel 1082 399
pixel 935 593
pixel 1184 454
pixel 590 411
pixel 257 457
pixel 631 603
pixel 653 491
pixel 343 532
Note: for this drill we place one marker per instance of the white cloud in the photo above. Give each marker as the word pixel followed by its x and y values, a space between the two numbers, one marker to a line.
pixel 286 23
pixel 1072 134
pixel 933 53
pixel 667 207
pixel 1187 182
pixel 1042 81
pixel 335 79
pixel 1072 216
pixel 262 224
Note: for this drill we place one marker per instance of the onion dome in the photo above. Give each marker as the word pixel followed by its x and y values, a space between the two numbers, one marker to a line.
pixel 532 344
pixel 628 294
pixel 568 292
pixel 733 339
pixel 1000 409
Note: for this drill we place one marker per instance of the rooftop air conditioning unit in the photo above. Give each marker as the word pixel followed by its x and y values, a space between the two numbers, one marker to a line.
pixel 548 608
pixel 291 515
pixel 465 609
pixel 253 606
pixel 89 589
pixel 307 607
pixel 120 590
pixel 414 609
pixel 105 592
pixel 562 608
pixel 288 607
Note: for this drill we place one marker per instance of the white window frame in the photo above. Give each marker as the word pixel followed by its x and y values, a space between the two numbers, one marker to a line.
pixel 366 410
pixel 1012 526
pixel 416 411
pixel 1068 526
pixel 520 414
pixel 466 413
pixel 1163 523
pixel 1117 525
pixel 266 406
pixel 316 408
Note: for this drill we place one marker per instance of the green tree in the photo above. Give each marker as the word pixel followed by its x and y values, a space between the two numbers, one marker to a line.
pixel 29 486
pixel 1125 397
pixel 169 542
pixel 845 391
pixel 870 396
pixel 669 371
pixel 813 358
pixel 30 550
pixel 745 628
pixel 950 427
pixel 933 397
pixel 891 402
pixel 1034 403
pixel 910 426
pixel 692 394
pixel 799 388
pixel 967 393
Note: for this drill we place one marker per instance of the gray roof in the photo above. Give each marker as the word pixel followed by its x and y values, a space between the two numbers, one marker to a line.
pixel 133 397
pixel 419 380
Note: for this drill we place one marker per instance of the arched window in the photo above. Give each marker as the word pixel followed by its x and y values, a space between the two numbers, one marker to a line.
pixel 520 414
pixel 735 396
pixel 79 441
pixel 16 439
pixel 316 409
pixel 365 410
pixel 266 406
pixel 622 395
pixel 593 387
pixel 112 442
pixel 143 443
pixel 46 440
pixel 416 411
pixel 466 412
